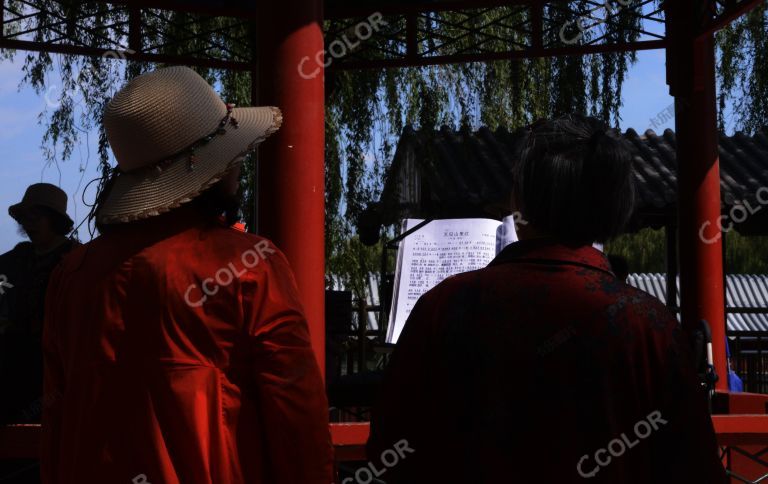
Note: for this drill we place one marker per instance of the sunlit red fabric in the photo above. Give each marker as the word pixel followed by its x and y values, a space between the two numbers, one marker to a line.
pixel 516 372
pixel 140 384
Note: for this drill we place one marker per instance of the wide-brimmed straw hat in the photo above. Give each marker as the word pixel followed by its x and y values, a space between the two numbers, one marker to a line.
pixel 41 195
pixel 173 137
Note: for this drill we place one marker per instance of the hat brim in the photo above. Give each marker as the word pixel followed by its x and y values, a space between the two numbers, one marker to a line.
pixel 148 192
pixel 15 211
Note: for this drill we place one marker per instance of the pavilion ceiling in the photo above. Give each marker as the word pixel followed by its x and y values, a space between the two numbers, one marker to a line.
pixel 414 33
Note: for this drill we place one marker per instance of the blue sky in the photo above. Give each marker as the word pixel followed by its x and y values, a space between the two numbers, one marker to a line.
pixel 645 95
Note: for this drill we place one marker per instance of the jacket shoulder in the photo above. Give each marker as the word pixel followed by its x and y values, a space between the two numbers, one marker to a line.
pixel 25 245
pixel 246 244
pixel 639 298
pixel 21 249
pixel 243 240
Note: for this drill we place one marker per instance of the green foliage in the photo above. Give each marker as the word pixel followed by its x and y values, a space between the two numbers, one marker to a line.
pixel 367 110
pixel 746 255
pixel 78 88
pixel 743 70
pixel 354 263
pixel 645 251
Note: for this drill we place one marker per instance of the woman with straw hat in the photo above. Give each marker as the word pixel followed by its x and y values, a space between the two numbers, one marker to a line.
pixel 176 347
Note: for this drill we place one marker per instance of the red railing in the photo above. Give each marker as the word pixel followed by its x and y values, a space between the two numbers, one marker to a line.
pixel 743 440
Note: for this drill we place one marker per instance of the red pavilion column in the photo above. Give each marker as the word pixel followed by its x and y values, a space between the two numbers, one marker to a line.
pixel 291 194
pixel 691 76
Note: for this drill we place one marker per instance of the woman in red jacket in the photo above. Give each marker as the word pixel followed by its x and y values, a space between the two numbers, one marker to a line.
pixel 543 366
pixel 176 348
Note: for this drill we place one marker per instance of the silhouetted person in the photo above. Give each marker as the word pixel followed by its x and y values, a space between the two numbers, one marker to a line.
pixel 543 366
pixel 24 273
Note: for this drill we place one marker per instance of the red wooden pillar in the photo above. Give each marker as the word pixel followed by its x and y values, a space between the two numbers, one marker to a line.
pixel 291 163
pixel 691 76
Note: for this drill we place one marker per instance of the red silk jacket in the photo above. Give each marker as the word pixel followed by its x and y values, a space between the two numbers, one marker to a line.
pixel 176 352
pixel 542 367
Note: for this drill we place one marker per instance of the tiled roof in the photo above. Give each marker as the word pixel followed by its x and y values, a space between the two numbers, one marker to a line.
pixel 742 291
pixel 449 173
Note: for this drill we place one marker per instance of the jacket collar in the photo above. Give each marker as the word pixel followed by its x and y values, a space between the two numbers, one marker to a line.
pixel 551 252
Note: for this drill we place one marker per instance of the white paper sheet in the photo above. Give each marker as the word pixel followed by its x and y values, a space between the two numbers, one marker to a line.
pixel 506 233
pixel 440 249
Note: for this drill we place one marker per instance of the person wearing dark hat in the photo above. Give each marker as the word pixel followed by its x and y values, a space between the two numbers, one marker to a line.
pixel 176 347
pixel 24 273
pixel 42 214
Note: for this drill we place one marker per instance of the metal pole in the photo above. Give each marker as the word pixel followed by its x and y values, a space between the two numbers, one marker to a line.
pixel 671 235
pixel 253 222
pixel 291 172
pixel 691 76
pixel 134 29
pixel 362 333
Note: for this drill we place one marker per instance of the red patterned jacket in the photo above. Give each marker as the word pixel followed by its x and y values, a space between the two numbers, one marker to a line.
pixel 544 368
